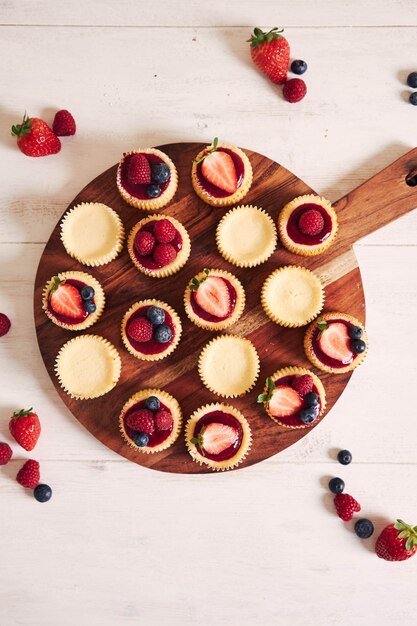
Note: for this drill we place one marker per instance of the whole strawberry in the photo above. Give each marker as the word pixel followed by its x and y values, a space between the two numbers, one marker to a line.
pixel 346 506
pixel 6 453
pixel 25 428
pixel 29 474
pixel 35 138
pixel 64 124
pixel 271 53
pixel 397 542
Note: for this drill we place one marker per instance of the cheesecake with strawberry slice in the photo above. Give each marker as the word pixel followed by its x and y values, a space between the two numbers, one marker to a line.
pixel 218 435
pixel 214 299
pixel 294 397
pixel 73 300
pixel 336 343
pixel 221 174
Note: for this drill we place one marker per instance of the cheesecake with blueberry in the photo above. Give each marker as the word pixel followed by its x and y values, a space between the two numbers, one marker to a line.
pixel 214 299
pixel 159 246
pixel 150 421
pixel 218 436
pixel 307 225
pixel 336 343
pixel 147 178
pixel 294 397
pixel 151 330
pixel 221 174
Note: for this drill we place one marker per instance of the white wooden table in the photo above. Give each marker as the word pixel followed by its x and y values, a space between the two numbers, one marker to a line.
pixel 119 544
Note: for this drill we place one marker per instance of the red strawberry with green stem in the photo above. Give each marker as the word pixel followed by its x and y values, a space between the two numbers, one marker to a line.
pixel 334 341
pixel 218 168
pixel 212 295
pixel 281 401
pixel 215 438
pixel 65 299
pixel 25 428
pixel 35 138
pixel 397 542
pixel 270 51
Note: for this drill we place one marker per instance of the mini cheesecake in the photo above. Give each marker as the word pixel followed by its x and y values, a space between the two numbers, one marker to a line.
pixel 221 174
pixel 294 397
pixel 151 330
pixel 218 436
pixel 214 299
pixel 336 343
pixel 150 421
pixel 73 300
pixel 159 246
pixel 307 225
pixel 147 178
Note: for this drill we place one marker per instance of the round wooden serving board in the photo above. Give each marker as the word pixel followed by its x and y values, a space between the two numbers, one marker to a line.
pixel 372 205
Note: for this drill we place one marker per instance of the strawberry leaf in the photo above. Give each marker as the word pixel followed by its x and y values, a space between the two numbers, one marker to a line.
pixel 262 398
pixel 409 544
pixel 322 325
pixel 403 533
pixel 400 525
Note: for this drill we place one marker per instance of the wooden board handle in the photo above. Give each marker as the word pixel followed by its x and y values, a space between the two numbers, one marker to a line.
pixel 380 200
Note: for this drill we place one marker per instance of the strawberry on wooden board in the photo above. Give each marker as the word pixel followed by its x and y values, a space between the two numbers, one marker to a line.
pixel 212 295
pixel 215 438
pixel 25 427
pixel 285 401
pixel 218 168
pixel 65 299
pixel 270 51
pixel 35 138
pixel 397 542
pixel 334 341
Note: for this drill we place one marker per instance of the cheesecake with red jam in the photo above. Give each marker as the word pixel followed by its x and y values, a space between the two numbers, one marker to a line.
pixel 221 174
pixel 336 343
pixel 218 435
pixel 214 299
pixel 307 225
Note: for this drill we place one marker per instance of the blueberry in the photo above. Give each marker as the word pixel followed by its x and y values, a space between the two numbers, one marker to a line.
pixel 311 398
pixel 163 333
pixel 153 191
pixel 344 457
pixel 412 80
pixel 308 415
pixel 87 293
pixel 156 315
pixel 364 528
pixel 355 332
pixel 160 172
pixel 89 306
pixel 141 439
pixel 152 403
pixel 336 485
pixel 413 98
pixel 358 346
pixel 298 67
pixel 42 493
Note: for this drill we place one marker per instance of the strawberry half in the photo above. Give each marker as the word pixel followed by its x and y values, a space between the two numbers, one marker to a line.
pixel 65 299
pixel 335 342
pixel 213 296
pixel 285 401
pixel 216 438
pixel 218 168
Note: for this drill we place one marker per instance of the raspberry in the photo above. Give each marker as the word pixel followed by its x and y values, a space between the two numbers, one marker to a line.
pixel 163 419
pixel 4 324
pixel 5 453
pixel 303 384
pixel 311 222
pixel 346 506
pixel 141 421
pixel 139 170
pixel 29 475
pixel 164 254
pixel 140 329
pixel 64 124
pixel 164 231
pixel 144 242
pixel 294 90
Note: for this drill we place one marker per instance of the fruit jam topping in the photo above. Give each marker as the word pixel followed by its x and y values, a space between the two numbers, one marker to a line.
pixel 152 346
pixel 137 190
pixel 209 317
pixel 325 358
pixel 295 233
pixel 294 419
pixel 158 436
pixel 213 190
pixel 220 417
pixel 64 319
pixel 148 261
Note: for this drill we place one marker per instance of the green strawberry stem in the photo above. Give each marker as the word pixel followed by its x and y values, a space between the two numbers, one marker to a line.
pixel 259 36
pixel 20 130
pixel 22 413
pixel 56 282
pixel 322 325
pixel 198 441
pixel 211 148
pixel 408 532
pixel 267 395
pixel 195 282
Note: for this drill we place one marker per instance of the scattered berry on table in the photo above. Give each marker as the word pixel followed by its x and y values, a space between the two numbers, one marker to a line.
pixel 355 332
pixel 160 173
pixel 156 315
pixel 344 457
pixel 270 51
pixel 309 414
pixel 311 222
pixel 140 329
pixel 87 293
pixel 412 80
pixel 164 231
pixel 4 324
pixel 153 191
pixel 139 170
pixel 89 306
pixel 42 493
pixel 303 384
pixel 311 399
pixel 164 254
pixel 142 421
pixel 6 453
pixel 397 542
pixel 294 90
pixel 152 403
pixel 163 420
pixel 64 124
pixel 413 98
pixel 298 66
pixel 364 528
pixel 141 439
pixel 144 242
pixel 163 333
pixel 25 427
pixel 35 138
pixel 346 506
pixel 358 346
pixel 29 474
pixel 336 485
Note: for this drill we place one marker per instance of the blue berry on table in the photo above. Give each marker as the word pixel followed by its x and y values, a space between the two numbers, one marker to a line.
pixel 344 457
pixel 412 80
pixel 311 398
pixel 336 485
pixel 364 528
pixel 160 173
pixel 42 493
pixel 152 403
pixel 163 333
pixel 87 293
pixel 358 346
pixel 413 98
pixel 153 191
pixel 89 306
pixel 355 332
pixel 156 315
pixel 141 439
pixel 298 67
pixel 308 415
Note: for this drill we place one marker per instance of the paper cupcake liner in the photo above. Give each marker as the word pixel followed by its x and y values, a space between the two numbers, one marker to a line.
pixel 298 371
pixel 111 354
pixel 209 385
pixel 179 261
pixel 223 324
pixel 239 194
pixel 175 318
pixel 273 315
pixel 176 413
pixel 303 249
pixel 229 255
pixel 99 299
pixel 240 455
pixel 92 261
pixel 152 204
pixel 308 344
